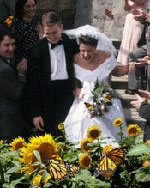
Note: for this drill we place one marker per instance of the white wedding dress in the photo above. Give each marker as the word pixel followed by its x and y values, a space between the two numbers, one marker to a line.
pixel 78 121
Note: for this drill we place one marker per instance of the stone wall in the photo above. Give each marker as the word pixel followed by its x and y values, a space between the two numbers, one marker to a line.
pixel 93 12
pixel 65 8
pixel 75 13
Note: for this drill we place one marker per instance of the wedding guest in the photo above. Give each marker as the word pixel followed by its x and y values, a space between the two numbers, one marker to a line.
pixel 132 28
pixel 50 75
pixel 137 72
pixel 143 106
pixel 25 32
pixel 26 35
pixel 11 120
pixel 92 64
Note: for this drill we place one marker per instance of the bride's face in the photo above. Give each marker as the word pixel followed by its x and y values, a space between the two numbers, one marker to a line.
pixel 87 52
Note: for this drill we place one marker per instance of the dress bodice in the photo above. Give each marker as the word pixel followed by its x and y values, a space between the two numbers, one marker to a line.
pixel 101 72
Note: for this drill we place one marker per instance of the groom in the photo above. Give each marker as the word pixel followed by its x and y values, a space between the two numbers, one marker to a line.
pixel 50 75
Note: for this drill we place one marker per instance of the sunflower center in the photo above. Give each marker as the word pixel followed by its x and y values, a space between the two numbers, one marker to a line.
pixel 94 133
pixel 46 150
pixel 19 145
pixel 118 122
pixel 133 130
pixel 86 161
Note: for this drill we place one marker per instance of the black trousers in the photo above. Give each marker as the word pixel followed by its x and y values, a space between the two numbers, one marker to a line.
pixel 56 105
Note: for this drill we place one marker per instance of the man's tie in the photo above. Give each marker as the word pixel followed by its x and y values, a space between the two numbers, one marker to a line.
pixel 58 43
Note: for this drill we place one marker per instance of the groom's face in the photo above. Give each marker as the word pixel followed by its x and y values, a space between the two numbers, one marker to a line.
pixel 53 33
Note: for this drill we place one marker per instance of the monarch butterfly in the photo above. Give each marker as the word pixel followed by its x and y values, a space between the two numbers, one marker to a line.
pixel 60 170
pixel 108 13
pixel 9 20
pixel 110 161
pixel 87 105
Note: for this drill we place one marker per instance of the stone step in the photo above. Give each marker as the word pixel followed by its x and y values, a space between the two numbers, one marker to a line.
pixel 119 82
pixel 122 82
pixel 131 114
pixel 125 98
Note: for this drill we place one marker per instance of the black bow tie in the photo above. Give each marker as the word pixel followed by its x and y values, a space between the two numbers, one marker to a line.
pixel 58 43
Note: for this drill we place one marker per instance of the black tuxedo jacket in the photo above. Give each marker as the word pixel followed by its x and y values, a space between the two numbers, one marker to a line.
pixel 39 73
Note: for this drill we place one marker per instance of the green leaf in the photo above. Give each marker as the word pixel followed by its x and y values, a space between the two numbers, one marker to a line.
pixel 140 149
pixel 120 134
pixel 142 174
pixel 85 178
pixel 37 155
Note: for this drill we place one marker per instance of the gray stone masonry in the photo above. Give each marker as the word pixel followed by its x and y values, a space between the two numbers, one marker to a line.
pixel 93 12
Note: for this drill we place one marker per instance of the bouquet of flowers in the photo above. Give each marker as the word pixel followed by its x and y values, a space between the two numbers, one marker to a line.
pixel 101 99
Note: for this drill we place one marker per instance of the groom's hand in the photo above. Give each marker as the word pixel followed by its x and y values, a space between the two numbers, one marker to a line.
pixel 38 123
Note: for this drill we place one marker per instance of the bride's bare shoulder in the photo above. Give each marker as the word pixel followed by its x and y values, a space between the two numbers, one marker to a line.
pixel 104 53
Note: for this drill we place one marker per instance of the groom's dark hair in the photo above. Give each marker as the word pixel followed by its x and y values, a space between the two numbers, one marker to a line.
pixel 51 18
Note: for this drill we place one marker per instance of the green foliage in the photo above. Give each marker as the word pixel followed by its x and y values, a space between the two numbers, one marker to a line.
pixel 130 174
pixel 140 149
pixel 85 179
pixel 142 174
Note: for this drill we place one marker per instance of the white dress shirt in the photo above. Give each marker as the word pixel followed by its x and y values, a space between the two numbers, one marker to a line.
pixel 58 63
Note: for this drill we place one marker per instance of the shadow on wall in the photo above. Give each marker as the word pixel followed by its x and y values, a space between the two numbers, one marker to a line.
pixel 84 13
pixel 65 8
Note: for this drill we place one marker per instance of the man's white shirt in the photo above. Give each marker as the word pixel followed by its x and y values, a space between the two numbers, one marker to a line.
pixel 58 63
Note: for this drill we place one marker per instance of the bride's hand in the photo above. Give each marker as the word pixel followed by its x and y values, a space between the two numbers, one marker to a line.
pixel 102 108
pixel 81 96
pixel 78 93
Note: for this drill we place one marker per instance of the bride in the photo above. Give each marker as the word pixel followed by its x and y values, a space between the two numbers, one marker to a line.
pixel 92 64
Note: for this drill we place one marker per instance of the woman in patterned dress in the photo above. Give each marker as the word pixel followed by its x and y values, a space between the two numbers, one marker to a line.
pixel 25 32
pixel 26 35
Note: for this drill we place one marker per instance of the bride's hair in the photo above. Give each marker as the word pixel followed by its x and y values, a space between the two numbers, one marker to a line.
pixel 88 40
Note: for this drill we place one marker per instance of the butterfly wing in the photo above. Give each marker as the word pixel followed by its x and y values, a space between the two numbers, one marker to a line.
pixel 87 105
pixel 105 165
pixel 58 169
pixel 73 169
pixel 116 155
pixel 108 13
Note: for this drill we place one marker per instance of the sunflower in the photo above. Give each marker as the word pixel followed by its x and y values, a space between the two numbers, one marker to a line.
pixel 46 180
pixel 146 163
pixel 133 130
pixel 17 144
pixel 93 133
pixel 118 122
pixel 148 142
pixel 1 141
pixel 85 161
pixel 46 147
pixel 108 98
pixel 106 175
pixel 61 126
pixel 37 179
pixel 107 149
pixel 84 147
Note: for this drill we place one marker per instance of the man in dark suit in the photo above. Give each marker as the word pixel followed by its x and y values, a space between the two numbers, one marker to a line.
pixel 11 83
pixel 50 75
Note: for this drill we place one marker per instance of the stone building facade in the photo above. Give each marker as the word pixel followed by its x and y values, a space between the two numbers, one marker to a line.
pixel 75 13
